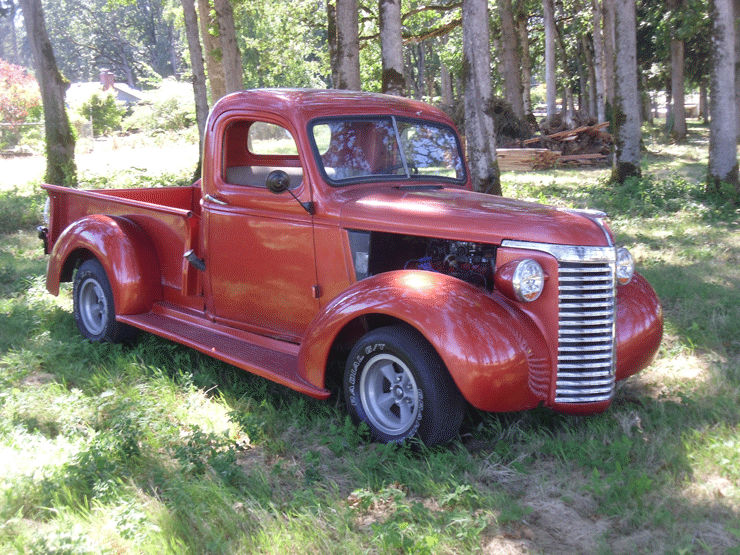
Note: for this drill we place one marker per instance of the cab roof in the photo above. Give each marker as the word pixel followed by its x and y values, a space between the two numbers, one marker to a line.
pixel 308 104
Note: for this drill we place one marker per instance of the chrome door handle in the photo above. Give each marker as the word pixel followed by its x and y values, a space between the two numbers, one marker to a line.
pixel 215 200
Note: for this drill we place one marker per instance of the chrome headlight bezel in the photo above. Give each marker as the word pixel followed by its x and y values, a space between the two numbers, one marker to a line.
pixel 625 266
pixel 521 280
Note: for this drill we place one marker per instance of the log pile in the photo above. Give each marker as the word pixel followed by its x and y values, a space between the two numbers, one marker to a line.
pixel 526 159
pixel 587 145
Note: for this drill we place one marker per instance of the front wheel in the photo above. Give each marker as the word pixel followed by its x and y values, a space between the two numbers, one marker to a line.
pixel 94 310
pixel 398 385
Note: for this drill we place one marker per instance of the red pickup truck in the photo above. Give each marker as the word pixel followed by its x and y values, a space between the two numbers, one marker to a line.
pixel 342 227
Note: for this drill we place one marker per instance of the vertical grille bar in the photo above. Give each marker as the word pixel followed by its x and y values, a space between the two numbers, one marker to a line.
pixel 586 346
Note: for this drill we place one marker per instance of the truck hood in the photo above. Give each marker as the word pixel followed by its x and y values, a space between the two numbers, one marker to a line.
pixel 467 216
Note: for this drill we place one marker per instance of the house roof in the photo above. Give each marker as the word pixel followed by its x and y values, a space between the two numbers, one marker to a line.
pixel 80 92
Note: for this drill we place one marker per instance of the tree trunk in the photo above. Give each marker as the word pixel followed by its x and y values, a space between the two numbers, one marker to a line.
pixel 599 63
pixel 479 130
pixel 446 85
pixel 391 47
pixel 60 141
pixel 348 45
pixel 678 132
pixel 723 166
pixel 550 75
pixel 607 13
pixel 510 54
pixel 736 7
pixel 199 75
pixel 211 47
pixel 522 21
pixel 677 91
pixel 626 96
pixel 589 76
pixel 448 95
pixel 230 55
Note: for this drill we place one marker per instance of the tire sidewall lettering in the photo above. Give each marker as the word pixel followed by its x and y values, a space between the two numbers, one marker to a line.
pixel 352 384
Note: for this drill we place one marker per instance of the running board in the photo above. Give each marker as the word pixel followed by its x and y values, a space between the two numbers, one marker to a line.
pixel 270 358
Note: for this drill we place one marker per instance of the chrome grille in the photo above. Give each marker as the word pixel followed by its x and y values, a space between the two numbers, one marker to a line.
pixel 587 313
pixel 586 321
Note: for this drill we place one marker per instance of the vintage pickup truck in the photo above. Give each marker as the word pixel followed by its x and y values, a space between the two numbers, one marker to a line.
pixel 337 232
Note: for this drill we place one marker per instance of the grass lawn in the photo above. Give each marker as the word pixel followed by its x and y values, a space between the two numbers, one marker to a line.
pixel 154 448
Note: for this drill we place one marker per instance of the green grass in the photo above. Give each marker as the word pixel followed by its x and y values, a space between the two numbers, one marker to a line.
pixel 155 448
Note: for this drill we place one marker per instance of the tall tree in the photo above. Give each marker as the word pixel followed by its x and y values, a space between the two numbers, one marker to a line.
pixel 599 62
pixel 510 53
pixel 723 165
pixel 548 11
pixel 7 28
pixel 347 58
pixel 60 141
pixel 391 46
pixel 522 22
pixel 211 51
pixel 626 97
pixel 736 7
pixel 230 55
pixel 134 38
pixel 199 75
pixel 479 128
pixel 607 14
pixel 678 130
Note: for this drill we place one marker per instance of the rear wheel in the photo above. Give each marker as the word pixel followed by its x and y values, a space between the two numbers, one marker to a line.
pixel 397 384
pixel 94 309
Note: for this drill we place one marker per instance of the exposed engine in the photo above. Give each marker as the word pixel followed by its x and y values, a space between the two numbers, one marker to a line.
pixel 470 262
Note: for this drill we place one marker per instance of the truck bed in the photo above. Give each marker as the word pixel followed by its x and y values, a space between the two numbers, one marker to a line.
pixel 170 217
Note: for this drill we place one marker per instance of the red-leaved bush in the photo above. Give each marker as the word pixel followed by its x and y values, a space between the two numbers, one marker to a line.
pixel 19 93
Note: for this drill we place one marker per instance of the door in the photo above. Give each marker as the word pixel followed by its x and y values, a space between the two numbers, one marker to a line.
pixel 260 247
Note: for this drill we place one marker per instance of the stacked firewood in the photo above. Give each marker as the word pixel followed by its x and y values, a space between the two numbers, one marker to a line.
pixel 585 145
pixel 526 159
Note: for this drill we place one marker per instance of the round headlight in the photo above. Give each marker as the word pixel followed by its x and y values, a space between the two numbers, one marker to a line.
pixel 528 280
pixel 625 266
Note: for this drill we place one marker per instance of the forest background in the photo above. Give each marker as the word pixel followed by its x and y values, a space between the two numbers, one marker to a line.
pixel 611 60
pixel 153 448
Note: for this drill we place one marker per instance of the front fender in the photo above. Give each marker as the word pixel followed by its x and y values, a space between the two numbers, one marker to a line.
pixel 124 250
pixel 487 345
pixel 639 326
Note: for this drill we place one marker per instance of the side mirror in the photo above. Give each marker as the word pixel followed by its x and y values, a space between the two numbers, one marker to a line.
pixel 277 182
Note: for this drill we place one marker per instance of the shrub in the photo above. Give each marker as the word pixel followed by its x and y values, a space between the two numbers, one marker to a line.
pixel 170 108
pixel 104 112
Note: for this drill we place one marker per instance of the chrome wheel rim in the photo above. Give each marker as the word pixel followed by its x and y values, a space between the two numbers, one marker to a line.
pixel 389 394
pixel 93 306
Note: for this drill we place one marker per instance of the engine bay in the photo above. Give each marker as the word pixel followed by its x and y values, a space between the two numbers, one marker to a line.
pixel 474 263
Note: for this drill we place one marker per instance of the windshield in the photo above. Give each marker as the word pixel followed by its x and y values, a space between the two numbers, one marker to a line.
pixel 352 150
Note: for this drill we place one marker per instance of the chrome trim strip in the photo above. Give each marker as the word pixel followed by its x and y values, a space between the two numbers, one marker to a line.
pixel 567 253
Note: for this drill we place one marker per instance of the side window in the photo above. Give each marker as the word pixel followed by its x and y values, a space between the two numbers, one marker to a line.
pixel 253 149
pixel 268 138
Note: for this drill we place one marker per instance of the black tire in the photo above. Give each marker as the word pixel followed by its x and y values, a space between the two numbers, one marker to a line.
pixel 398 385
pixel 94 309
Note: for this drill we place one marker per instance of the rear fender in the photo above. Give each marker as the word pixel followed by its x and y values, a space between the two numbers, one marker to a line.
pixel 124 250
pixel 488 346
